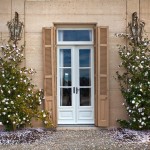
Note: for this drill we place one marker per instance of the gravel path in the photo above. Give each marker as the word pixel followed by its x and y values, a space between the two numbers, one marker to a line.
pixel 97 139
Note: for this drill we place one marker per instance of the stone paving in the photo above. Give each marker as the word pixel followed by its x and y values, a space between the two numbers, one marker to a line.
pixel 79 139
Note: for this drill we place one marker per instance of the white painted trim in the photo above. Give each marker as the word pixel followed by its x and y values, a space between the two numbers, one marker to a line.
pixel 75 108
pixel 75 42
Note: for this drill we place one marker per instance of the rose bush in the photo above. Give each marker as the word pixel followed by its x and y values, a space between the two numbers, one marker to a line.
pixel 135 82
pixel 19 98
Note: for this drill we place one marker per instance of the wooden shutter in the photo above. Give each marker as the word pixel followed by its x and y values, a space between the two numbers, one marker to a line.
pixel 101 77
pixel 49 71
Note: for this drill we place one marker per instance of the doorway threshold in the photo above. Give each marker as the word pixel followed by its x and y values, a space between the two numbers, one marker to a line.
pixel 76 127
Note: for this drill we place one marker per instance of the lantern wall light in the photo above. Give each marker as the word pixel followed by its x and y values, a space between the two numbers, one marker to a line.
pixel 15 28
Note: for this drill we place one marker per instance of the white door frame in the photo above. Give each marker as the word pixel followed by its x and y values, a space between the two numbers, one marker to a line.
pixel 75 114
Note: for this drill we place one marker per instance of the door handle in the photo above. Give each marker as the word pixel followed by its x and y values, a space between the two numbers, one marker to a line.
pixel 73 89
pixel 77 90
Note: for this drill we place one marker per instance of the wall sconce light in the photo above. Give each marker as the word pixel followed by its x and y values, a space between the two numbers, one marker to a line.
pixel 15 28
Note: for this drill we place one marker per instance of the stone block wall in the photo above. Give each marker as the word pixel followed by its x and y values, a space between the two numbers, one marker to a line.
pixel 43 13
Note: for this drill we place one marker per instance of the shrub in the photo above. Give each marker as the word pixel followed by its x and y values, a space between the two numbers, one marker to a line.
pixel 19 98
pixel 135 82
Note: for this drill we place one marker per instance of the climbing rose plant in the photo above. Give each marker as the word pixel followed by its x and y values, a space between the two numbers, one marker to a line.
pixel 135 82
pixel 19 98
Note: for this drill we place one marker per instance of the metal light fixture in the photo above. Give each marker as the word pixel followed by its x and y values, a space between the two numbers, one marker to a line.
pixel 136 28
pixel 15 28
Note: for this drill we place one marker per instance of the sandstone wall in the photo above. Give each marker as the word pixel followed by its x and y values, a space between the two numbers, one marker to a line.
pixel 43 13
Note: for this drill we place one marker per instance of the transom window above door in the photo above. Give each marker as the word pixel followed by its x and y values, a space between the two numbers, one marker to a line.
pixel 78 36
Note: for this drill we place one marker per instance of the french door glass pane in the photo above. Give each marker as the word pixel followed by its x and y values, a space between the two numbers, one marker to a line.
pixel 85 96
pixel 85 77
pixel 65 77
pixel 74 35
pixel 65 97
pixel 65 58
pixel 84 58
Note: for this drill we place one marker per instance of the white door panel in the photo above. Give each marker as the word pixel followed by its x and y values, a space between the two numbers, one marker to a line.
pixel 75 85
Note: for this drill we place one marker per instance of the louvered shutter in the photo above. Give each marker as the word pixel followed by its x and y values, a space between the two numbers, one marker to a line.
pixel 101 77
pixel 49 72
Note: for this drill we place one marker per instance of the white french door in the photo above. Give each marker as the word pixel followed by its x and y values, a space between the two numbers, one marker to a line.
pixel 75 85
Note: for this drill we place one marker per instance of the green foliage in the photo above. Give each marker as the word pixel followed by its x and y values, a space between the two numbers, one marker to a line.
pixel 135 83
pixel 19 99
